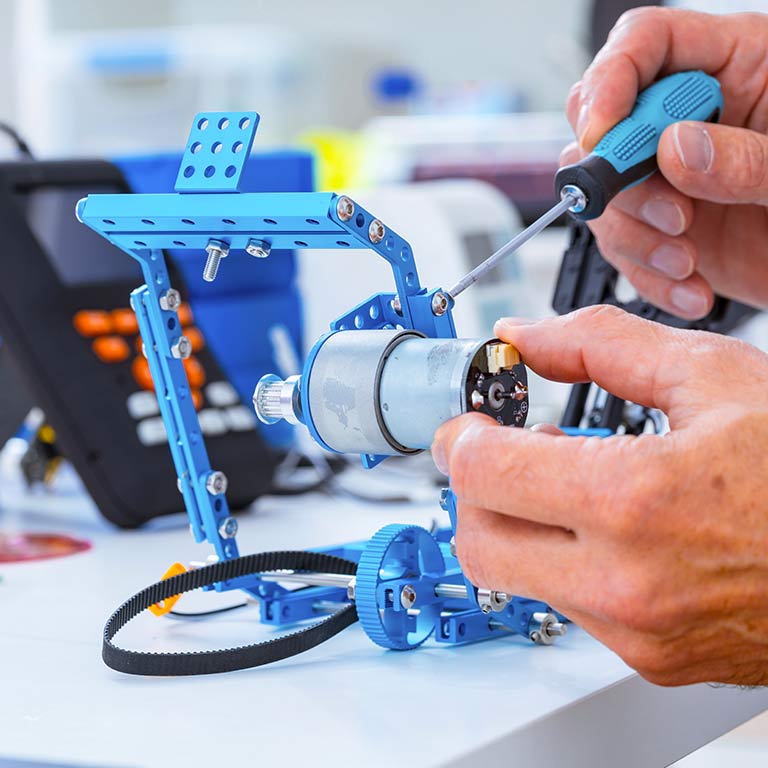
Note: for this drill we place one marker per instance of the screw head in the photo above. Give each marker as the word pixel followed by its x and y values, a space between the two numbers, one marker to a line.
pixel 376 231
pixel 170 300
pixel 444 499
pixel 228 528
pixel 260 249
pixel 440 304
pixel 397 305
pixel 182 348
pixel 216 483
pixel 345 208
pixel 407 596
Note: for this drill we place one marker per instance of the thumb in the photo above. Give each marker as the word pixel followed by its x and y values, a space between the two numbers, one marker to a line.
pixel 632 358
pixel 718 163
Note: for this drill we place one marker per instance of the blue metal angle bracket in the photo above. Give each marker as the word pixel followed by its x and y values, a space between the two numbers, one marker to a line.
pixel 206 208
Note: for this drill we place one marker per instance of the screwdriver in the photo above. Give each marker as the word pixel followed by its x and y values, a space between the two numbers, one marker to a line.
pixel 625 156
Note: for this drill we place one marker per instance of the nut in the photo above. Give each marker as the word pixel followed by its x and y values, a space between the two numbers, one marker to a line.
pixel 170 300
pixel 258 248
pixel 216 483
pixel 181 348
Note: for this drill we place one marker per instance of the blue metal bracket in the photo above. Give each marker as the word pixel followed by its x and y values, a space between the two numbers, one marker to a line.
pixel 218 146
pixel 144 225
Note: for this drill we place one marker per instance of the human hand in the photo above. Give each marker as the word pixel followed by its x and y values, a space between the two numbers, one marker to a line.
pixel 702 223
pixel 656 545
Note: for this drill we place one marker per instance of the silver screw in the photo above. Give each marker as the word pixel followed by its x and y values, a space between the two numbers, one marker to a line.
pixel 170 300
pixel 452 546
pixel 216 250
pixel 397 305
pixel 345 208
pixel 440 304
pixel 216 483
pixel 376 232
pixel 182 348
pixel 407 596
pixel 258 248
pixel 228 528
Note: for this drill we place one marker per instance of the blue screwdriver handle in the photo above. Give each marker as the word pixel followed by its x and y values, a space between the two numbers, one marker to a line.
pixel 626 155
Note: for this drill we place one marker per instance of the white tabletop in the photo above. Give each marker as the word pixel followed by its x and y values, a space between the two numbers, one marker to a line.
pixel 347 702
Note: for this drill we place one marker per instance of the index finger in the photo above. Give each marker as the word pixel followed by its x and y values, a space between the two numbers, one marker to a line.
pixel 645 43
pixel 555 480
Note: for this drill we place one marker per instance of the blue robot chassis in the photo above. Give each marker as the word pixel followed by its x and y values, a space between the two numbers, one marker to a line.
pixel 409 585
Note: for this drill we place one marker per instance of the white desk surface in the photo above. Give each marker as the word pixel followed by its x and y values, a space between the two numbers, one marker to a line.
pixel 347 702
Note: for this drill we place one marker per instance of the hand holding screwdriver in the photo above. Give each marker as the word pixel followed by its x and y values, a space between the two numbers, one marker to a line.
pixel 624 157
pixel 700 224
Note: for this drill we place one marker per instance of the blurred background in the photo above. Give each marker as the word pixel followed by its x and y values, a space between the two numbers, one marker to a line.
pixel 444 119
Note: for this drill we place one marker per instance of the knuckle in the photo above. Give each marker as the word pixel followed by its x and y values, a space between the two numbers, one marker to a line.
pixel 753 161
pixel 635 16
pixel 599 314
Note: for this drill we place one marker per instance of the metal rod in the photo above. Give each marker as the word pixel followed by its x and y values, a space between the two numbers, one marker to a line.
pixel 456 591
pixel 341 580
pixel 518 240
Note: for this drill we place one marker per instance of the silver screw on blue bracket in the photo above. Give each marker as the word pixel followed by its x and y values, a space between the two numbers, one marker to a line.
pixel 216 250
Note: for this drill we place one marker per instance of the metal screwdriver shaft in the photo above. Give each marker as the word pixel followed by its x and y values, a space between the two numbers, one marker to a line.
pixel 567 201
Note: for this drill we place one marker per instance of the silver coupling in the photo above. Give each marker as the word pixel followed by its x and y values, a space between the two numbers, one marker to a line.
pixel 275 399
pixel 545 627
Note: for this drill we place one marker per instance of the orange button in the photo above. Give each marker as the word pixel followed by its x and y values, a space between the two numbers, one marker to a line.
pixel 195 337
pixel 92 322
pixel 197 399
pixel 185 315
pixel 140 369
pixel 124 322
pixel 111 349
pixel 195 372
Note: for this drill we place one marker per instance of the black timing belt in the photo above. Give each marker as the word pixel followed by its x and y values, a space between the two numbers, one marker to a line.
pixel 229 659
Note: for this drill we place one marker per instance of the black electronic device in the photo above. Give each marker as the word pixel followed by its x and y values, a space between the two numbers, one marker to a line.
pixel 66 321
pixel 586 279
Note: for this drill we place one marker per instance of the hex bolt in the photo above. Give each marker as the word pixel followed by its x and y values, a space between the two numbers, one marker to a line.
pixel 181 348
pixel 377 231
pixel 216 250
pixel 228 528
pixel 170 301
pixel 407 596
pixel 216 483
pixel 440 304
pixel 259 249
pixel 345 208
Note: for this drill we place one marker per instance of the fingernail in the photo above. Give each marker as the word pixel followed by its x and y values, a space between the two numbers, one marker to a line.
pixel 582 121
pixel 439 457
pixel 664 215
pixel 689 300
pixel 514 321
pixel 672 261
pixel 547 429
pixel 694 147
